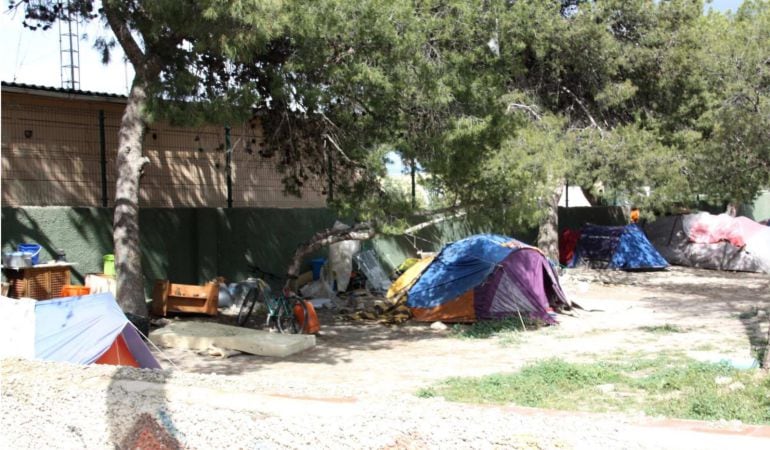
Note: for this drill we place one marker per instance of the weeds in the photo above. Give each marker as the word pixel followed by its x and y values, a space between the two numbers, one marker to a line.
pixel 486 329
pixel 750 314
pixel 662 329
pixel 673 387
pixel 426 393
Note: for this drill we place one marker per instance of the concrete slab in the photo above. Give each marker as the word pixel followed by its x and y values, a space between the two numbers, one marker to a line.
pixel 204 335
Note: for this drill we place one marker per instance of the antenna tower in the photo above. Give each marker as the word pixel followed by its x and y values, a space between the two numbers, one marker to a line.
pixel 69 50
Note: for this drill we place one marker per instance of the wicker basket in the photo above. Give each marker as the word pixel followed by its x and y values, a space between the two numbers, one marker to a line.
pixel 40 283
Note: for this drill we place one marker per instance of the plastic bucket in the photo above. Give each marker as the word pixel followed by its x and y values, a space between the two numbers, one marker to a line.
pixel 109 265
pixel 71 290
pixel 33 250
pixel 315 266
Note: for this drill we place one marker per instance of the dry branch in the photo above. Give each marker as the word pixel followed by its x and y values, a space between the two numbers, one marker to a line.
pixel 359 232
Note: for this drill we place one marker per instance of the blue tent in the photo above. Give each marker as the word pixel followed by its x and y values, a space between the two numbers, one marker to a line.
pixel 620 247
pixel 82 330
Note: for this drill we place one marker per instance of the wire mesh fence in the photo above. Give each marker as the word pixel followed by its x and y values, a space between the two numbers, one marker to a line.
pixel 61 153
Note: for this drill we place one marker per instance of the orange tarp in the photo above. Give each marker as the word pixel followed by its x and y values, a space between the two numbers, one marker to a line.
pixel 457 310
pixel 118 354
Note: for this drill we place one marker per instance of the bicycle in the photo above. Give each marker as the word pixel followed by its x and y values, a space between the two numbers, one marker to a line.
pixel 287 312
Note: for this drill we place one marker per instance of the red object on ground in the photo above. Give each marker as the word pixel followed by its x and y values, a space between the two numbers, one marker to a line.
pixel 312 326
pixel 567 243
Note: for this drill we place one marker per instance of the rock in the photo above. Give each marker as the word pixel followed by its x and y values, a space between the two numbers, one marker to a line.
pixel 440 326
pixel 722 380
pixel 606 388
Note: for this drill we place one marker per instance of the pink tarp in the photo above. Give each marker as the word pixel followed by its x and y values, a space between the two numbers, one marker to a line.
pixel 706 228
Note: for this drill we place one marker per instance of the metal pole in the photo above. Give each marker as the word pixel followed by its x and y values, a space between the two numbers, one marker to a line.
pixel 228 168
pixel 103 157
pixel 414 185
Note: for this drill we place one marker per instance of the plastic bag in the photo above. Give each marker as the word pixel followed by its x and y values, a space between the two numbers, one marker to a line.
pixel 341 258
pixel 321 288
pixel 225 297
pixel 375 276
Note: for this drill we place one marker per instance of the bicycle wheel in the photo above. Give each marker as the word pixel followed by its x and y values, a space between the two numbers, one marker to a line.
pixel 292 316
pixel 247 306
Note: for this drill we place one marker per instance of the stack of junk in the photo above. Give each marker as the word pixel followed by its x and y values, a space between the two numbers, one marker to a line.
pixel 709 241
pixel 481 277
pixel 89 329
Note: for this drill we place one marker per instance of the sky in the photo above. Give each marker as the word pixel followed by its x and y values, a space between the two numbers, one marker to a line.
pixel 33 57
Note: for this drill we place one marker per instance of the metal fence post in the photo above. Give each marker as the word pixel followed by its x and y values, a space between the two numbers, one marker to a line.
pixel 228 167
pixel 103 157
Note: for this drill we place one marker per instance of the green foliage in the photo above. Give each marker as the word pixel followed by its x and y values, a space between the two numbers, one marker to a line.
pixel 499 101
pixel 662 386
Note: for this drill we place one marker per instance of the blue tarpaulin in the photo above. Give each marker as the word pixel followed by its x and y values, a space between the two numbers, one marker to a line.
pixel 459 267
pixel 77 329
pixel 624 247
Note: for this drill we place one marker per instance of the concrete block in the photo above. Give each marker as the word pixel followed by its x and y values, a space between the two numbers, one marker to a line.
pixel 203 335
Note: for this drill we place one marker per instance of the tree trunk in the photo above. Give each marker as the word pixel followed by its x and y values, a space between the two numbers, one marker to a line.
pixel 548 232
pixel 128 261
pixel 360 232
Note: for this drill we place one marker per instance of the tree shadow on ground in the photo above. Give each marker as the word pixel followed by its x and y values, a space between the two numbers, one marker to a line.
pixel 710 299
pixel 336 344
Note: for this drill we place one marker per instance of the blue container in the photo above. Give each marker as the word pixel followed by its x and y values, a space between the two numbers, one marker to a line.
pixel 32 249
pixel 316 265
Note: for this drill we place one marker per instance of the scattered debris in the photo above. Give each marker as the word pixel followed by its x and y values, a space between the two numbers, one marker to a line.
pixel 440 326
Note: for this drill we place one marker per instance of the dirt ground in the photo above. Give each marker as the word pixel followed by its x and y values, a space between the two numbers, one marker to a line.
pixel 713 315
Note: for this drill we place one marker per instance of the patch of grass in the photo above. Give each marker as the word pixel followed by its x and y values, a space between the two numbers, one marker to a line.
pixel 664 385
pixel 485 329
pixel 662 329
pixel 749 314
pixel 705 347
pixel 426 393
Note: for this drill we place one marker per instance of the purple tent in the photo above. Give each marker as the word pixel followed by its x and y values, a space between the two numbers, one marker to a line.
pixel 486 277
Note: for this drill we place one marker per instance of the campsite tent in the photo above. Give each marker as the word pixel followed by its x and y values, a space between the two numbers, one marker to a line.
pixel 82 330
pixel 619 247
pixel 484 277
pixel 710 241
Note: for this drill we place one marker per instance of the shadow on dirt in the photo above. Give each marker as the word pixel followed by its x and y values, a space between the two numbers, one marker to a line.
pixel 335 344
pixel 742 296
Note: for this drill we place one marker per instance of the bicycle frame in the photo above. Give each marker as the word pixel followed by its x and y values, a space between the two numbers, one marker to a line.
pixel 280 309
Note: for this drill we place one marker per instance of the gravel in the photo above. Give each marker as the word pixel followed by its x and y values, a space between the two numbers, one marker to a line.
pixel 58 405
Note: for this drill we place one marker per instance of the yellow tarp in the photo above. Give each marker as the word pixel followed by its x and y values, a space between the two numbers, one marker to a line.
pixel 408 278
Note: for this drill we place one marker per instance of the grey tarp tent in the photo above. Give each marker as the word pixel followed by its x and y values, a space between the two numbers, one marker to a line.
pixel 668 236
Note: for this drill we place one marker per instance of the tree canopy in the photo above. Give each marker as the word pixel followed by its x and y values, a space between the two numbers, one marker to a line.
pixel 499 101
